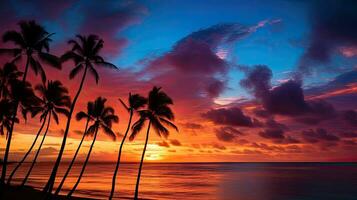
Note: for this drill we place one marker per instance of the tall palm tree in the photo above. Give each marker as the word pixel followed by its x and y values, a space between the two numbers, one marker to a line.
pixel 31 41
pixel 158 114
pixel 135 102
pixel 103 117
pixel 80 115
pixel 54 100
pixel 7 74
pixel 85 54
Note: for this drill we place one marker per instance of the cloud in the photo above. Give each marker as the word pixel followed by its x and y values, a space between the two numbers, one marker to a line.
pixel 104 18
pixel 318 135
pixel 218 146
pixel 190 125
pixel 350 117
pixel 163 144
pixel 333 25
pixel 285 99
pixel 191 70
pixel 275 132
pixel 227 134
pixel 272 133
pixel 175 142
pixel 229 116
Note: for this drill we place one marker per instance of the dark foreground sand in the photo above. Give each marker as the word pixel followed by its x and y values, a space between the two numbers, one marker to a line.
pixel 17 193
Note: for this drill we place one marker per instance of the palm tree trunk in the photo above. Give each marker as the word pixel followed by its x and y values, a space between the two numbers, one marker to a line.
pixel 84 165
pixel 38 151
pixel 7 150
pixel 49 186
pixel 72 162
pixel 28 152
pixel 119 155
pixel 141 163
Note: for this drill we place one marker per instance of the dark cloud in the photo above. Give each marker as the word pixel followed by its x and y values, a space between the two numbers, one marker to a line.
pixel 218 146
pixel 163 144
pixel 175 142
pixel 350 117
pixel 229 116
pixel 287 98
pixel 348 134
pixel 275 132
pixel 228 134
pixel 190 125
pixel 192 69
pixel 319 135
pixel 272 133
pixel 104 18
pixel 333 25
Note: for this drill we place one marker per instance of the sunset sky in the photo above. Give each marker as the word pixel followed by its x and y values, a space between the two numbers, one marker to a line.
pixel 251 81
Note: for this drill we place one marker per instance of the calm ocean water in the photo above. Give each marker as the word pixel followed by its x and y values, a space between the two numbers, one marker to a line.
pixel 205 181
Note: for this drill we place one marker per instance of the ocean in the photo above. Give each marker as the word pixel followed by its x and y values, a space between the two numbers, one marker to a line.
pixel 210 181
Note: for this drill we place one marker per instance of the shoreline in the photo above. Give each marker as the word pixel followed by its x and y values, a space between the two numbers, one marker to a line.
pixel 28 192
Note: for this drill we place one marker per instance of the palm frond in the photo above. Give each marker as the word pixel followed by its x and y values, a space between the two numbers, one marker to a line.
pixel 11 52
pixel 136 128
pixel 124 105
pixel 62 111
pixel 160 129
pixel 94 73
pixel 75 71
pixel 55 117
pixel 15 37
pixel 82 115
pixel 50 59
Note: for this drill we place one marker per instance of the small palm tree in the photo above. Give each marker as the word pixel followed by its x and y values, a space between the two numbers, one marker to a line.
pixel 85 54
pixel 54 100
pixel 134 103
pixel 7 74
pixel 103 117
pixel 31 41
pixel 80 115
pixel 158 114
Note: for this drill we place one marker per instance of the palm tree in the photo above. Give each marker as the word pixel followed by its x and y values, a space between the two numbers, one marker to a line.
pixel 158 114
pixel 32 41
pixel 6 112
pixel 80 115
pixel 54 100
pixel 85 54
pixel 7 74
pixel 103 117
pixel 135 102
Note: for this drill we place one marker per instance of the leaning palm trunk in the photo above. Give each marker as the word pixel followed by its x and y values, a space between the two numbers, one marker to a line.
pixel 38 152
pixel 8 144
pixel 72 162
pixel 49 186
pixel 84 165
pixel 119 155
pixel 141 163
pixel 28 152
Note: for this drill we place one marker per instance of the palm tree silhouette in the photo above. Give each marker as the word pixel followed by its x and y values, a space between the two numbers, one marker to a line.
pixel 54 100
pixel 134 103
pixel 31 41
pixel 80 115
pixel 7 74
pixel 158 114
pixel 6 112
pixel 85 55
pixel 103 117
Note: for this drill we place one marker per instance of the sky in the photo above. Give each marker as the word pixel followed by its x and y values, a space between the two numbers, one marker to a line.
pixel 251 81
